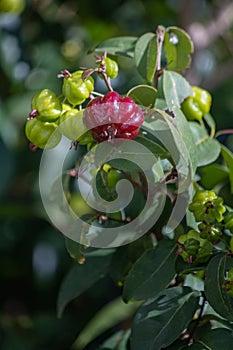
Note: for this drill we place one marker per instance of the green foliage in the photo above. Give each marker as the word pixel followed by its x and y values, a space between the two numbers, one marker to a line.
pixel 145 56
pixel 168 289
pixel 160 321
pixel 178 47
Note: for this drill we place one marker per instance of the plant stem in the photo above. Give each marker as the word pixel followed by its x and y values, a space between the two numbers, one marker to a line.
pixel 197 321
pixel 224 132
pixel 160 38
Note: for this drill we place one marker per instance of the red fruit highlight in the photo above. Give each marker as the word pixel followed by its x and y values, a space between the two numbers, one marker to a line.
pixel 111 116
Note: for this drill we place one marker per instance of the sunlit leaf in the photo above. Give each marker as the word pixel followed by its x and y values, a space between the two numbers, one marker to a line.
pixel 178 46
pixel 208 149
pixel 118 46
pixel 145 56
pixel 143 95
pixel 175 89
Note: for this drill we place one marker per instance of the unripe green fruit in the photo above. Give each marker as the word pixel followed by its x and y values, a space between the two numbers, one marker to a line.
pixel 197 105
pixel 75 90
pixel 191 246
pixel 71 124
pixel 204 252
pixel 207 206
pixel 210 232
pixel 228 219
pixel 47 106
pixel 113 176
pixel 14 6
pixel 79 206
pixel 111 67
pixel 42 135
pixel 194 247
pixel 230 275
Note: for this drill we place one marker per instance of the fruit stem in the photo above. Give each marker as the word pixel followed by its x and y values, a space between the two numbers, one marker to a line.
pixel 107 81
pixel 160 38
pixel 224 132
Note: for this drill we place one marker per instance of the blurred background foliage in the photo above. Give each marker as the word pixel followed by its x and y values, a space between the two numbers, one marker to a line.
pixel 37 40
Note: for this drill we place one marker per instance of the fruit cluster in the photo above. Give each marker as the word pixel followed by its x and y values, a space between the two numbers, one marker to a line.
pixel 105 117
pixel 193 248
pixel 212 221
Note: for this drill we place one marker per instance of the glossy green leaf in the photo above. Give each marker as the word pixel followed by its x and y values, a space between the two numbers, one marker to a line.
pixel 143 95
pixel 145 56
pixel 151 273
pixel 218 338
pixel 184 129
pixel 80 278
pixel 178 46
pixel 154 147
pixel 215 293
pixel 228 157
pixel 117 341
pixel 160 321
pixel 75 249
pixel 111 314
pixel 212 175
pixel 118 46
pixel 208 149
pixel 175 89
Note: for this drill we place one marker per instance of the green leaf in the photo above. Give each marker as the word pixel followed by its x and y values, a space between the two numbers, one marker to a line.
pixel 118 46
pixel 80 278
pixel 178 46
pixel 208 149
pixel 145 56
pixel 160 321
pixel 143 95
pixel 228 157
pixel 185 131
pixel 125 256
pixel 154 147
pixel 152 272
pixel 175 89
pixel 111 314
pixel 212 175
pixel 216 295
pixel 216 339
pixel 117 341
pixel 75 249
